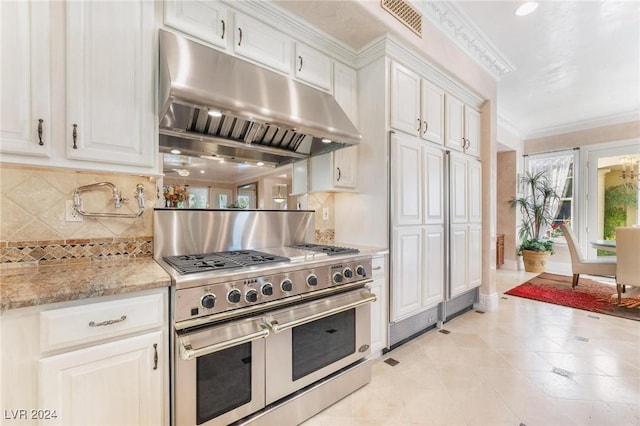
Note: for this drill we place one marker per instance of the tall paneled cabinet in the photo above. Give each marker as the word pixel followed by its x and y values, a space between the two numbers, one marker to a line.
pixel 436 195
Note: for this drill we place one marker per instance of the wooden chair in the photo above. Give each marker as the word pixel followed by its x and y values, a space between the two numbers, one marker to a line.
pixel 605 267
pixel 628 254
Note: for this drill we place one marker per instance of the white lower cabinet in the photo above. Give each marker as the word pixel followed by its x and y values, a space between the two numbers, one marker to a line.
pixel 433 269
pixel 95 361
pixel 379 320
pixel 115 383
pixel 407 271
pixel 466 257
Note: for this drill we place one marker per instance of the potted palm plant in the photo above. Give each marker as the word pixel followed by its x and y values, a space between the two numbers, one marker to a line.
pixel 537 209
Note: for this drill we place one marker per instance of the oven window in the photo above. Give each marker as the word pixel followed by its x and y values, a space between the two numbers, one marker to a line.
pixel 224 381
pixel 323 342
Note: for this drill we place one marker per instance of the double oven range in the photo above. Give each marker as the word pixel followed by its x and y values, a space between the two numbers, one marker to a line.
pixel 266 328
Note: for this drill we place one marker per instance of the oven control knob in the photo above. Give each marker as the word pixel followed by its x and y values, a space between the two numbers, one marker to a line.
pixel 360 271
pixel 234 296
pixel 312 280
pixel 338 277
pixel 348 273
pixel 266 289
pixel 251 296
pixel 286 285
pixel 208 301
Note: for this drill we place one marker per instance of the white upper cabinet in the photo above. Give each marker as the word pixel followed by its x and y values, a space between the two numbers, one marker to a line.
pixel 335 171
pixel 455 124
pixel 111 86
pixel 345 90
pixel 206 20
pixel 472 131
pixel 459 181
pixel 25 111
pixel 345 162
pixel 299 177
pixel 313 67
pixel 462 127
pixel 432 113
pixel 261 43
pixel 405 100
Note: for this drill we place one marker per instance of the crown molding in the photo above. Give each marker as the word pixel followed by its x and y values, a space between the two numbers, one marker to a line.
pixel 452 21
pixel 577 126
pixel 506 124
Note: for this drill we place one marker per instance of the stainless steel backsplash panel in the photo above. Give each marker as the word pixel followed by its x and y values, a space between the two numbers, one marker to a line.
pixel 177 231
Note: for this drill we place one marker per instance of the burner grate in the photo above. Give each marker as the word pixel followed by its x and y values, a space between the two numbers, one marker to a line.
pixel 192 263
pixel 329 250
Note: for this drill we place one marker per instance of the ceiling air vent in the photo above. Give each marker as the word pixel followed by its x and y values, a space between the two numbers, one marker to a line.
pixel 405 13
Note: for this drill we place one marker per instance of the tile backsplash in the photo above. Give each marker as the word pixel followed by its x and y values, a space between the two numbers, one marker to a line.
pixel 33 223
pixel 324 228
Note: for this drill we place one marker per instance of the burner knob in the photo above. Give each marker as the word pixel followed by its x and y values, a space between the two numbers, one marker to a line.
pixel 348 273
pixel 208 301
pixel 286 285
pixel 251 296
pixel 234 296
pixel 360 271
pixel 312 280
pixel 338 278
pixel 266 289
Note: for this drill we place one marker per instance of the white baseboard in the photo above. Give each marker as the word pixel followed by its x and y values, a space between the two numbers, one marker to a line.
pixel 488 302
pixel 511 265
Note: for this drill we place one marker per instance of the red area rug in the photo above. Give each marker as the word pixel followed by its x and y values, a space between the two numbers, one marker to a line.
pixel 589 295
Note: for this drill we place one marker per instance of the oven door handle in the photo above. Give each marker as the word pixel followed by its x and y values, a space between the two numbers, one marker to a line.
pixel 188 353
pixel 276 327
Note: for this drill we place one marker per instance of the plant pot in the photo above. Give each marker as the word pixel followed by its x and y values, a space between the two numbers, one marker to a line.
pixel 535 261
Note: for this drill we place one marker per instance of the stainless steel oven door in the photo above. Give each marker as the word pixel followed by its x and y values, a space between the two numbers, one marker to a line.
pixel 219 373
pixel 315 339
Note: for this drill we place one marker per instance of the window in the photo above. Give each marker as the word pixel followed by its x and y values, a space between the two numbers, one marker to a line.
pixel 559 169
pixel 198 197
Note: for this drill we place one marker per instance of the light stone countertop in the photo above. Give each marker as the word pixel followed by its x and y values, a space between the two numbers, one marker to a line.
pixel 38 285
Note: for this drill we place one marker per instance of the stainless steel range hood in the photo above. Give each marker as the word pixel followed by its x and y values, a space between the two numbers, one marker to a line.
pixel 265 116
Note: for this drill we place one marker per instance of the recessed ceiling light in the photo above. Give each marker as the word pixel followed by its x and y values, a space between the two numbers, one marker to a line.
pixel 215 113
pixel 175 151
pixel 202 171
pixel 326 140
pixel 526 8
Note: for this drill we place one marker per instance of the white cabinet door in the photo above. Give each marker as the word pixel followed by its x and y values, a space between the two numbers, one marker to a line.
pixel 206 20
pixel 472 131
pixel 455 123
pixel 313 67
pixel 405 100
pixel 25 85
pixel 261 43
pixel 433 269
pixel 345 90
pixel 433 164
pixel 115 383
pixel 432 112
pixel 407 271
pixel 406 172
pixel 379 307
pixel 345 163
pixel 474 256
pixel 110 68
pixel 459 178
pixel 475 191
pixel 459 262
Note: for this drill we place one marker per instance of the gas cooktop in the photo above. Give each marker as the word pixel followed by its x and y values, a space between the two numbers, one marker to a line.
pixel 192 263
pixel 329 250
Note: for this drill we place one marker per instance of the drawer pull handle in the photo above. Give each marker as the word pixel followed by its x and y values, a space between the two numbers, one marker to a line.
pixel 377 268
pixel 224 28
pixel 108 322
pixel 75 136
pixel 40 121
pixel 155 356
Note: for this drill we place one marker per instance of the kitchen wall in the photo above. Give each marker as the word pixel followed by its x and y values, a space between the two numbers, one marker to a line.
pixel 325 229
pixel 32 216
pixel 506 216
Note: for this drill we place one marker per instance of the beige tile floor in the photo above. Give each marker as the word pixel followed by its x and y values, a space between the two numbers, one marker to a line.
pixel 497 368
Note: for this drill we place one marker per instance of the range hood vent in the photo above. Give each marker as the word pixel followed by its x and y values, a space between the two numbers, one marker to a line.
pixel 216 104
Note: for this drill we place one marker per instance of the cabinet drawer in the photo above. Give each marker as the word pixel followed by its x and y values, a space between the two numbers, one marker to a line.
pixel 377 267
pixel 92 322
